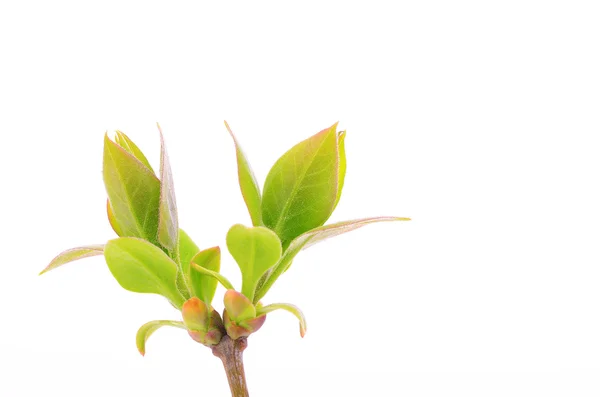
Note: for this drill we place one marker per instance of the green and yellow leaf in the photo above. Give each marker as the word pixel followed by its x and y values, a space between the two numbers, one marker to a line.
pixel 149 328
pixel 74 254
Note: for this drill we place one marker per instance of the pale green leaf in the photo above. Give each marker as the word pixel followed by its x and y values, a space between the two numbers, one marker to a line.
pixel 255 249
pixel 310 238
pixel 187 249
pixel 123 140
pixel 342 166
pixel 203 285
pixel 148 329
pixel 301 188
pixel 74 254
pixel 140 266
pixel 133 191
pixel 217 276
pixel 248 185
pixel 288 307
pixel 168 226
pixel 239 307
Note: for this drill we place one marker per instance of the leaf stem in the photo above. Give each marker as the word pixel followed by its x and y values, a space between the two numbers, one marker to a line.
pixel 230 352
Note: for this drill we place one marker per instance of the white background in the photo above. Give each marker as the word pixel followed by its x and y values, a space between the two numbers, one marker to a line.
pixel 477 119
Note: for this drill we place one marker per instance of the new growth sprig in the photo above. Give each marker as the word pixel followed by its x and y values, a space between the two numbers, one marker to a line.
pixel 152 254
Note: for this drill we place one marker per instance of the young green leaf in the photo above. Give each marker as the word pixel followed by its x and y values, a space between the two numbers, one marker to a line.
pixel 148 329
pixel 301 189
pixel 196 314
pixel 342 166
pixel 310 238
pixel 187 250
pixel 74 254
pixel 123 140
pixel 288 307
pixel 217 276
pixel 247 181
pixel 255 249
pixel 204 286
pixel 140 266
pixel 133 191
pixel 168 226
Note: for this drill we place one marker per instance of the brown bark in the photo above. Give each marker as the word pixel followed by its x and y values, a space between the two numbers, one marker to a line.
pixel 230 352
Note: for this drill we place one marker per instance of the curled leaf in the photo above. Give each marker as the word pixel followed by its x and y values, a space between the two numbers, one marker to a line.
pixel 149 328
pixel 123 140
pixel 74 254
pixel 288 307
pixel 216 275
pixel 310 238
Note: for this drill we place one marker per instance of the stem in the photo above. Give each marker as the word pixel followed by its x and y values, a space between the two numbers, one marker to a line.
pixel 230 352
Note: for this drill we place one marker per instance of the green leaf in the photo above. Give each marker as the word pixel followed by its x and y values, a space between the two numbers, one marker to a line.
pixel 133 191
pixel 301 189
pixel 310 238
pixel 123 140
pixel 288 307
pixel 342 166
pixel 148 329
pixel 187 250
pixel 74 254
pixel 196 314
pixel 248 185
pixel 168 226
pixel 217 276
pixel 140 266
pixel 203 285
pixel 255 249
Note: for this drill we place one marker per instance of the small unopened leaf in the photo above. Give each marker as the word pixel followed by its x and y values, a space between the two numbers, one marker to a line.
pixel 301 188
pixel 255 249
pixel 140 266
pixel 127 144
pixel 148 329
pixel 74 254
pixel 168 226
pixel 312 237
pixel 203 285
pixel 133 191
pixel 248 185
pixel 238 307
pixel 288 307
pixel 196 314
pixel 112 220
pixel 216 275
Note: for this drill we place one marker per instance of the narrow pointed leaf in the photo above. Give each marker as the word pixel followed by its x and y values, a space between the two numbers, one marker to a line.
pixel 140 266
pixel 149 328
pixel 248 185
pixel 288 307
pixel 239 308
pixel 217 276
pixel 342 166
pixel 74 254
pixel 112 220
pixel 301 188
pixel 168 226
pixel 203 285
pixel 133 191
pixel 312 237
pixel 255 249
pixel 127 144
